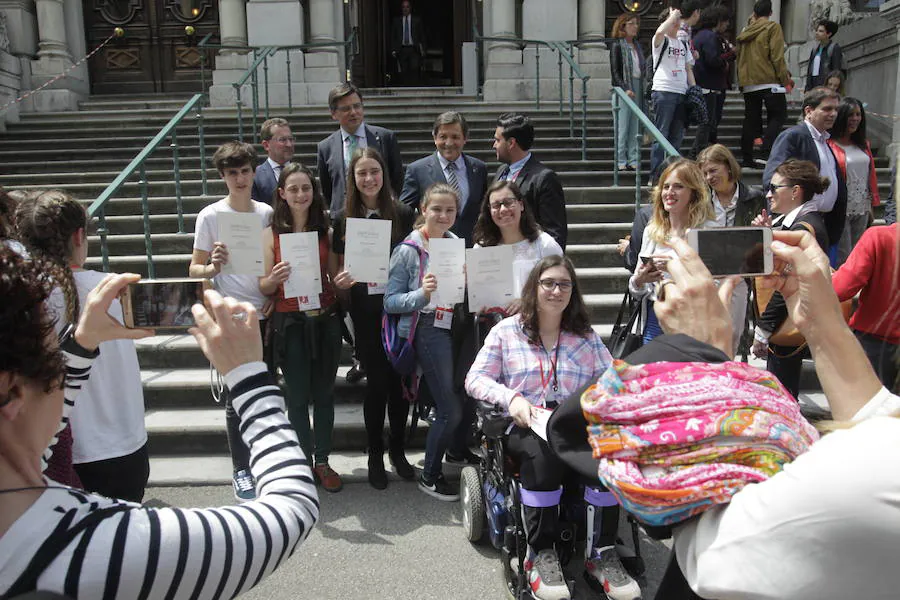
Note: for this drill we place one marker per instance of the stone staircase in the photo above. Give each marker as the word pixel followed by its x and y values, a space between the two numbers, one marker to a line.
pixel 83 151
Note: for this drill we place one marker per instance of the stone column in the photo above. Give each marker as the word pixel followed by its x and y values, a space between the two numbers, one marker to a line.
pixel 279 23
pixel 504 72
pixel 52 30
pixel 503 22
pixel 18 45
pixel 890 10
pixel 591 19
pixel 53 58
pixel 232 24
pixel 593 58
pixel 323 69
pixel 230 63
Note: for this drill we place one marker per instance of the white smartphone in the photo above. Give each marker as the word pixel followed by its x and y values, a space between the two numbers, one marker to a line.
pixel 162 303
pixel 725 251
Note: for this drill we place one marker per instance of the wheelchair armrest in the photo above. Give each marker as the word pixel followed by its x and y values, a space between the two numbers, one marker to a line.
pixel 494 420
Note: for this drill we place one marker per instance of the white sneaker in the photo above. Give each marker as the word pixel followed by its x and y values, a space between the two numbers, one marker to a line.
pixel 608 572
pixel 545 576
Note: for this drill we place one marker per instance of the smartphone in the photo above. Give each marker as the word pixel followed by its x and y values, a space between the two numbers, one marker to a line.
pixel 162 303
pixel 725 251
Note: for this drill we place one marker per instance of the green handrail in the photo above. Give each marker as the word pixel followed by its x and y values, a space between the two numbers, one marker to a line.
pixel 98 207
pixel 620 99
pixel 563 53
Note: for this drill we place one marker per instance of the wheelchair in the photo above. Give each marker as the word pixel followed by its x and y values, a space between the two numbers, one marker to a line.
pixel 492 510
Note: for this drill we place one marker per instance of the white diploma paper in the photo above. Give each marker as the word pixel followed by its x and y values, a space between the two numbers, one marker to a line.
pixel 301 250
pixel 242 235
pixel 490 276
pixel 521 270
pixel 539 419
pixel 446 261
pixel 367 249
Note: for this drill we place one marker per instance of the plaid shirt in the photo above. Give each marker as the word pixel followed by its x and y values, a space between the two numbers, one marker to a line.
pixel 509 365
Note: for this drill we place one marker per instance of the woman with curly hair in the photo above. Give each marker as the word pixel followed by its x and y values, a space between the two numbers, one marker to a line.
pixel 108 438
pixel 680 202
pixel 529 364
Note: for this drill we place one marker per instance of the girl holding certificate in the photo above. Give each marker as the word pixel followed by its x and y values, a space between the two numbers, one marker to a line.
pixel 307 329
pixel 529 365
pixel 369 197
pixel 506 219
pixel 409 292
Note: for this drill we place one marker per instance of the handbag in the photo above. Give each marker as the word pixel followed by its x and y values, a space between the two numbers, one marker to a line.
pixel 623 340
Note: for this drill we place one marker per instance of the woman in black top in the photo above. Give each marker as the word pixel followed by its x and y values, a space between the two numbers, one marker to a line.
pixel 369 196
pixel 627 69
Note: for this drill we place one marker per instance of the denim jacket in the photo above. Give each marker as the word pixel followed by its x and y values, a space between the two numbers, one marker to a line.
pixel 404 291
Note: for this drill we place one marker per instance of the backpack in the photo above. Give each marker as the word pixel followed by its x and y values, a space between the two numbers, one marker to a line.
pixel 652 66
pixel 401 352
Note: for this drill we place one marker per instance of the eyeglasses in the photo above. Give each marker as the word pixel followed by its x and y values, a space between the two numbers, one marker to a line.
pixel 774 188
pixel 505 203
pixel 349 107
pixel 551 284
pixel 284 139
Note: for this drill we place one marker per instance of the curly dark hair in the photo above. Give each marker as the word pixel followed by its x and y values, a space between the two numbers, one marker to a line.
pixel 283 220
pixel 45 224
pixel 486 232
pixel 575 317
pixel 25 325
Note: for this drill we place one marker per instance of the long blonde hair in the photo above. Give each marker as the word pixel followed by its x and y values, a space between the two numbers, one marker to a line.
pixel 701 209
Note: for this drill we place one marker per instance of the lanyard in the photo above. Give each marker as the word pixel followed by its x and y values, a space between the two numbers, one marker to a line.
pixel 551 376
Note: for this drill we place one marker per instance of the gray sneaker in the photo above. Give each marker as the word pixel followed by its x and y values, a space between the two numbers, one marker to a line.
pixel 605 568
pixel 545 576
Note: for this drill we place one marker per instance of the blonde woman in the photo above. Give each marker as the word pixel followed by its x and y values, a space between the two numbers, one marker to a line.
pixel 680 202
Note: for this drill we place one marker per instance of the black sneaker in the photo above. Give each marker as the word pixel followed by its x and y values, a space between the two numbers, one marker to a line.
pixel 356 373
pixel 439 489
pixel 377 476
pixel 466 458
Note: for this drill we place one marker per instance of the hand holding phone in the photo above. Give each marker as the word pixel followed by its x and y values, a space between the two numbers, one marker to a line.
pixel 155 303
pixel 744 251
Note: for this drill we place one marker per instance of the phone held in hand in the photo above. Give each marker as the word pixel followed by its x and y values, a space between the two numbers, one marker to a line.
pixel 162 303
pixel 726 251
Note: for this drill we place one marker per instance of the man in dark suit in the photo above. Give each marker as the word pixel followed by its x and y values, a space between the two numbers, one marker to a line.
pixel 279 145
pixel 807 141
pixel 449 165
pixel 407 44
pixel 334 152
pixel 539 184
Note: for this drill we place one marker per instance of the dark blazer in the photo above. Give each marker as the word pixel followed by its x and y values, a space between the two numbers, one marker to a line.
pixel 776 311
pixel 543 191
pixel 417 32
pixel 330 163
pixel 427 171
pixel 711 68
pixel 832 60
pixel 798 143
pixel 264 183
pixel 751 201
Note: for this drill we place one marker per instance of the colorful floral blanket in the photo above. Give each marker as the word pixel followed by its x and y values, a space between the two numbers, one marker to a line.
pixel 674 439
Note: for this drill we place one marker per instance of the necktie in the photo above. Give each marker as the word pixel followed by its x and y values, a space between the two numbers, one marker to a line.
pixel 277 170
pixel 407 38
pixel 451 177
pixel 352 144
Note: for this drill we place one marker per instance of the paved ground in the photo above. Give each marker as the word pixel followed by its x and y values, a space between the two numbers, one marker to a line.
pixel 395 544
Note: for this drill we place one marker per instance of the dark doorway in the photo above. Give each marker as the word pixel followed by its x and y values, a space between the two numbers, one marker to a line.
pixel 158 52
pixel 447 25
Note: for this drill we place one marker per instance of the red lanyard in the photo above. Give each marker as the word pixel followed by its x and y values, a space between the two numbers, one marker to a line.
pixel 546 378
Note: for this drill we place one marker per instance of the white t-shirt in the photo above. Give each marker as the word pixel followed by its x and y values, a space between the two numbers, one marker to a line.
pixel 824 528
pixel 244 288
pixel 108 419
pixel 671 75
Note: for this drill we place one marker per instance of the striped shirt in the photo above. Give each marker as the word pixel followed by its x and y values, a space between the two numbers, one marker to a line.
pixel 509 365
pixel 117 549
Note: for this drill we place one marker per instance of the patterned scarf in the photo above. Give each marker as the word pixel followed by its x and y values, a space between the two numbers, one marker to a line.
pixel 674 439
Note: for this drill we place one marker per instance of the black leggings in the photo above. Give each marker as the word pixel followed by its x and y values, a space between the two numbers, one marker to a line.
pixel 123 477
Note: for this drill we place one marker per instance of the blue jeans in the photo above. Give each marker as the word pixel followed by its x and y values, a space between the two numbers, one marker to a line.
pixel 434 351
pixel 628 148
pixel 669 118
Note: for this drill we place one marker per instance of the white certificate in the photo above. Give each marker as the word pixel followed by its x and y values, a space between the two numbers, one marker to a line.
pixel 367 249
pixel 242 235
pixel 521 270
pixel 447 261
pixel 489 275
pixel 301 250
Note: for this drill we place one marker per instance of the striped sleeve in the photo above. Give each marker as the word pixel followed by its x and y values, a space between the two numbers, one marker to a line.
pixel 206 553
pixel 78 370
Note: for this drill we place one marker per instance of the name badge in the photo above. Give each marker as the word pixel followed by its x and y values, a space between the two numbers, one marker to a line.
pixel 443 317
pixel 309 302
pixel 376 288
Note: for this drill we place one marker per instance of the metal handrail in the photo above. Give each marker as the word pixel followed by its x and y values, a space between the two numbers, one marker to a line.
pixel 563 54
pixel 98 207
pixel 619 99
pixel 262 55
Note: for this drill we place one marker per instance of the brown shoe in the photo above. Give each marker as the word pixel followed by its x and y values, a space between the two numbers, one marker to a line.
pixel 328 478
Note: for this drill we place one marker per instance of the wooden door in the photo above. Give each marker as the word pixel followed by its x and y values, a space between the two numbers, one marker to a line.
pixel 158 52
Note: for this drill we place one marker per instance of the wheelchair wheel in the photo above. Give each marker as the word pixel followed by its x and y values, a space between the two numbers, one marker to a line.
pixel 472 504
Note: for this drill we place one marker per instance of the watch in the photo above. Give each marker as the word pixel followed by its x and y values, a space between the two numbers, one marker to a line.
pixel 68 344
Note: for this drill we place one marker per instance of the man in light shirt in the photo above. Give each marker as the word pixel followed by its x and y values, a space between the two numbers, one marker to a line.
pixel 808 141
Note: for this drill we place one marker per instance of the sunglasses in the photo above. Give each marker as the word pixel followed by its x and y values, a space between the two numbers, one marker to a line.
pixel 774 188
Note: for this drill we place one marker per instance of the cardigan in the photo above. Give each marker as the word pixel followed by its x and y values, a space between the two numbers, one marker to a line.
pixel 841 157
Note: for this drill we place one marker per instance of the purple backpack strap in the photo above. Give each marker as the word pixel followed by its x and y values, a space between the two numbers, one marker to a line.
pixel 414 320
